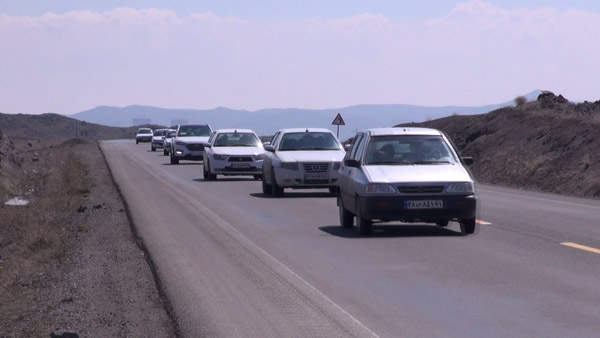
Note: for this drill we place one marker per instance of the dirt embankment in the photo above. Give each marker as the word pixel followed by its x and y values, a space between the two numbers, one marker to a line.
pixel 68 260
pixel 549 145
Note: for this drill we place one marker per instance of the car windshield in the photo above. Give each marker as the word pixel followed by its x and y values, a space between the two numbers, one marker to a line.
pixel 194 131
pixel 408 149
pixel 236 140
pixel 160 132
pixel 144 131
pixel 309 141
pixel 171 134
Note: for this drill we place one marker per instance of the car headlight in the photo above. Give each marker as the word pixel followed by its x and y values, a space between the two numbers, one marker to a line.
pixel 336 165
pixel 259 157
pixel 289 166
pixel 179 143
pixel 219 157
pixel 464 187
pixel 380 189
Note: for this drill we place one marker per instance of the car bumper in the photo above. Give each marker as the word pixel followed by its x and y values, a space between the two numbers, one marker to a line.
pixel 224 167
pixel 297 179
pixel 157 144
pixel 143 139
pixel 392 208
pixel 185 154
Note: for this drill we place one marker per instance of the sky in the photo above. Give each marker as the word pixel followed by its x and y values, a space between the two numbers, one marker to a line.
pixel 72 55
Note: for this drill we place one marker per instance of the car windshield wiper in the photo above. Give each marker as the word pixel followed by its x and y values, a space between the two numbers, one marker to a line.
pixel 432 162
pixel 390 162
pixel 318 148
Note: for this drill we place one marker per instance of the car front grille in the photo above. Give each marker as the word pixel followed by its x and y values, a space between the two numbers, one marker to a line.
pixel 420 189
pixel 316 181
pixel 194 147
pixel 315 167
pixel 240 159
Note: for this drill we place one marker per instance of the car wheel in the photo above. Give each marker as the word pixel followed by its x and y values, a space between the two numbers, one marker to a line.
pixel 346 217
pixel 467 226
pixel 276 190
pixel 257 177
pixel 165 152
pixel 442 224
pixel 136 141
pixel 209 176
pixel 334 190
pixel 205 174
pixel 152 148
pixel 174 160
pixel 363 224
pixel 266 188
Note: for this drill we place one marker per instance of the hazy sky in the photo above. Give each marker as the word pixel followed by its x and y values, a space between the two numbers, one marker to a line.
pixel 69 56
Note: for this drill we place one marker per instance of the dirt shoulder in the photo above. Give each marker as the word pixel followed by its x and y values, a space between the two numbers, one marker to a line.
pixel 69 261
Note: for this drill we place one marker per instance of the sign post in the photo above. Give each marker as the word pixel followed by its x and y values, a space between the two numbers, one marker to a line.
pixel 338 121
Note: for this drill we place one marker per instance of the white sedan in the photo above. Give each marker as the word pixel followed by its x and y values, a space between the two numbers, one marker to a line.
pixel 233 152
pixel 302 158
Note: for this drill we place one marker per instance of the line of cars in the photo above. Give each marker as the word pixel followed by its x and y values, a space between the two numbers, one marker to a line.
pixel 384 175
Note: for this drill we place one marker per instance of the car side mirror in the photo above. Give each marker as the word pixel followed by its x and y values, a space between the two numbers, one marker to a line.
pixel 467 160
pixel 206 145
pixel 269 148
pixel 352 163
pixel 347 146
pixel 266 143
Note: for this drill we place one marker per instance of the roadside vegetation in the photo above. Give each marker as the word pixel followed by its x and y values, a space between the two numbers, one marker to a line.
pixel 33 238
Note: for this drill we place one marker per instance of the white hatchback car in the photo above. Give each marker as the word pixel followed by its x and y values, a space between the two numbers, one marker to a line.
pixel 301 158
pixel 408 175
pixel 233 152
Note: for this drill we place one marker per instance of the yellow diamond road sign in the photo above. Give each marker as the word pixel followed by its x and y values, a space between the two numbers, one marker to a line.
pixel 338 121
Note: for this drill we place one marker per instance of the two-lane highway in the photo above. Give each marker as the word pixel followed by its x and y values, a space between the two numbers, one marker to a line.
pixel 236 263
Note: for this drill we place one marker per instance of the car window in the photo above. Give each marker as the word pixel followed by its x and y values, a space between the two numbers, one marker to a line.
pixel 355 145
pixel 171 133
pixel 308 141
pixel 160 132
pixel 360 148
pixel 194 131
pixel 236 140
pixel 275 139
pixel 144 131
pixel 408 149
pixel 212 137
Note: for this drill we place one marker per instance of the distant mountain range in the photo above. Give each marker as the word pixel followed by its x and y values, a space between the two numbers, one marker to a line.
pixel 267 121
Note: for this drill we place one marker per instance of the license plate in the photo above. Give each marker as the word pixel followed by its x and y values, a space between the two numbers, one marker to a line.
pixel 240 165
pixel 316 176
pixel 426 204
pixel 196 153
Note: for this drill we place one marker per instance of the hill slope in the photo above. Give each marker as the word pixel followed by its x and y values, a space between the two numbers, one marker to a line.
pixel 549 144
pixel 54 126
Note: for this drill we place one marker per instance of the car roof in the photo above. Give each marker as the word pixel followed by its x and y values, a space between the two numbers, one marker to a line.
pixel 305 130
pixel 402 131
pixel 235 130
pixel 194 125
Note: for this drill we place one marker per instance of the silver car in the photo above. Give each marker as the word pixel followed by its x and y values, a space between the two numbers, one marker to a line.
pixel 408 175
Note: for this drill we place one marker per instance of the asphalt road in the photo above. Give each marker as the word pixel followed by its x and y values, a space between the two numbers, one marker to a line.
pixel 236 263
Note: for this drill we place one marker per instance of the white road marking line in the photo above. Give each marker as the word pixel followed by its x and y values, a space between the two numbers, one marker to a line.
pixel 581 247
pixel 542 199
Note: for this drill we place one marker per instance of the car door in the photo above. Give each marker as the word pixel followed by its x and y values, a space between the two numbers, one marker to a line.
pixel 346 173
pixel 268 161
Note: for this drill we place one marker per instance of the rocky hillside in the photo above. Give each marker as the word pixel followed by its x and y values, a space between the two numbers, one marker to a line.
pixel 549 144
pixel 54 126
pixel 10 164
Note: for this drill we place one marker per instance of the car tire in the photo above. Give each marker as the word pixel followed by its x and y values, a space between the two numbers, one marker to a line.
pixel 266 188
pixel 209 176
pixel 205 173
pixel 257 177
pixel 468 226
pixel 334 190
pixel 363 224
pixel 174 160
pixel 346 217
pixel 276 190
pixel 136 141
pixel 442 224
pixel 152 148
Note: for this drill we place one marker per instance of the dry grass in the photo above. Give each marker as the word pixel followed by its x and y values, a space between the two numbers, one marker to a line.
pixel 33 236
